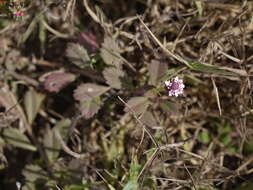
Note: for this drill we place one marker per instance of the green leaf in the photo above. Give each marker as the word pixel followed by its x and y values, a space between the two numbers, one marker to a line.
pixel 32 101
pixel 89 108
pixel 88 91
pixel 204 137
pixel 78 55
pixel 51 142
pixel 35 177
pixel 110 52
pixel 216 70
pixel 29 30
pixel 169 107
pixel 42 35
pixel 16 138
pixel 132 184
pixel 168 73
pixel 137 104
pixel 156 70
pixel 148 119
pixel 225 139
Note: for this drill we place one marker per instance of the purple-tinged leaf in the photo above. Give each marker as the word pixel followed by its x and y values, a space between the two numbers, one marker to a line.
pixel 88 91
pixel 112 76
pixel 89 41
pixel 137 104
pixel 156 70
pixel 56 80
pixel 89 108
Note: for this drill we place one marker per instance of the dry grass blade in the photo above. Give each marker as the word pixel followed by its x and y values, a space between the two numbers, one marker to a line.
pixel 169 53
pixel 216 95
pixel 139 121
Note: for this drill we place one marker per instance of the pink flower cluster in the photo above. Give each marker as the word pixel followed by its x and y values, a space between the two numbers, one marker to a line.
pixel 16 8
pixel 174 86
pixel 18 13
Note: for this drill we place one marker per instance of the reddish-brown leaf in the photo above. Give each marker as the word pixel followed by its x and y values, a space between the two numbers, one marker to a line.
pixel 56 80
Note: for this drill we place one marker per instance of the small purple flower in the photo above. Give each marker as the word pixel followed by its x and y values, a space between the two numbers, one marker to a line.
pixel 175 86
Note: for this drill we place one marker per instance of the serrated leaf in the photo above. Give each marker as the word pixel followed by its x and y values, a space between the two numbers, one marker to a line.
pixel 51 142
pixel 54 81
pixel 32 102
pixel 77 55
pixel 16 138
pixel 88 91
pixel 156 70
pixel 110 52
pixel 137 104
pixel 112 76
pixel 89 108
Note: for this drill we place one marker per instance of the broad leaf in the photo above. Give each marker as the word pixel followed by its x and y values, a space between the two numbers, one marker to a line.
pixel 9 101
pixel 148 119
pixel 89 108
pixel 51 142
pixel 15 137
pixel 112 76
pixel 33 101
pixel 89 40
pixel 56 80
pixel 77 55
pixel 34 176
pixel 110 52
pixel 156 70
pixel 88 91
pixel 137 104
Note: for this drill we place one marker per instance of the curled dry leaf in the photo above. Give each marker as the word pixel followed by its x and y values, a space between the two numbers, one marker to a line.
pixel 56 80
pixel 88 91
pixel 112 76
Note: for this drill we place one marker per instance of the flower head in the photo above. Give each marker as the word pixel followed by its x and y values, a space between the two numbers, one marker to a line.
pixel 19 13
pixel 175 86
